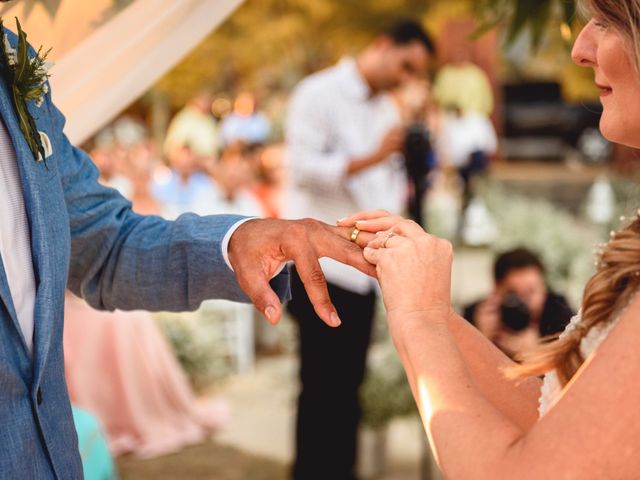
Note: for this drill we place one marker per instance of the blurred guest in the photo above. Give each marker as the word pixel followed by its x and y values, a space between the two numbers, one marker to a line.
pixel 184 188
pixel 196 127
pixel 97 463
pixel 463 86
pixel 467 136
pixel 414 100
pixel 142 164
pixel 343 139
pixel 234 178
pixel 109 157
pixel 521 310
pixel 271 176
pixel 245 123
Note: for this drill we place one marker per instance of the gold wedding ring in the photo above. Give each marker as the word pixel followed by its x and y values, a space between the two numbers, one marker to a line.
pixel 354 234
pixel 389 235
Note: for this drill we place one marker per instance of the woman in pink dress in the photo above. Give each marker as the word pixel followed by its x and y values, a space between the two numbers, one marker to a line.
pixel 120 367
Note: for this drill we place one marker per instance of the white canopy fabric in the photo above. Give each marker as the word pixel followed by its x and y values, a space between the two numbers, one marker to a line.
pixel 114 65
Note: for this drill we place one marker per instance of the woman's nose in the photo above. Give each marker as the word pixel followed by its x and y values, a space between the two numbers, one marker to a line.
pixel 585 48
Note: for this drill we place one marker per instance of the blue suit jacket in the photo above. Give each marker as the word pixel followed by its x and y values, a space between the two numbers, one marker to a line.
pixel 85 236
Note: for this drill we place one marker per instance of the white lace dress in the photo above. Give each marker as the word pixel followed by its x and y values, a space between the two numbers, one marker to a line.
pixel 551 388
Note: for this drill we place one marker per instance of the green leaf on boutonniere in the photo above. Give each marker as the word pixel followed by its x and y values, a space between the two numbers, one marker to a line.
pixel 23 55
pixel 27 79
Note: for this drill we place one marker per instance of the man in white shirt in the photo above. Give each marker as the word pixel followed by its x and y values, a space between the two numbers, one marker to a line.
pixel 344 137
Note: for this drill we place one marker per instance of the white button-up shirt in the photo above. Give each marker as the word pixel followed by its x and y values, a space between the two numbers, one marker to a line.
pixel 333 118
pixel 15 238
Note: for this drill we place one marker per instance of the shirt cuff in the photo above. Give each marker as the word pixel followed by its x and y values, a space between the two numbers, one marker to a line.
pixel 227 238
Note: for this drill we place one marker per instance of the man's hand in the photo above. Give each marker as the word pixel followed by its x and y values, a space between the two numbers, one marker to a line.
pixel 259 247
pixel 393 142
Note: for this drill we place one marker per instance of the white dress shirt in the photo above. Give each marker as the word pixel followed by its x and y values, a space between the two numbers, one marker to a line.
pixel 15 238
pixel 333 118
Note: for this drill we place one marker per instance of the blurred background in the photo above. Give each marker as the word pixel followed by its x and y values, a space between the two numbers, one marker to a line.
pixel 182 105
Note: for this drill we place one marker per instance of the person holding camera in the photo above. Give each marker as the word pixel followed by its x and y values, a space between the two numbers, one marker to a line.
pixel 521 311
pixel 344 139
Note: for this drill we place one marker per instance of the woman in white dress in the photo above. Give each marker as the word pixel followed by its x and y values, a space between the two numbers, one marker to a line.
pixel 583 420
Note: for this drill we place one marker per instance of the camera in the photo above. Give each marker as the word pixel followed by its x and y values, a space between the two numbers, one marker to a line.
pixel 514 313
pixel 417 149
pixel 418 162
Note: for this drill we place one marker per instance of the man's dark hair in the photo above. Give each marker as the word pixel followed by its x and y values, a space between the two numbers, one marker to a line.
pixel 515 260
pixel 404 32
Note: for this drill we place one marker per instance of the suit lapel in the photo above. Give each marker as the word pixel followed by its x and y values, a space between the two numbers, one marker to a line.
pixel 30 176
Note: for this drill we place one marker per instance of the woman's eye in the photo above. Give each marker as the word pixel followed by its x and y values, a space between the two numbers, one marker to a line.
pixel 600 24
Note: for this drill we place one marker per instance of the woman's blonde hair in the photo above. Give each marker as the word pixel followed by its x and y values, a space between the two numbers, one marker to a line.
pixel 618 271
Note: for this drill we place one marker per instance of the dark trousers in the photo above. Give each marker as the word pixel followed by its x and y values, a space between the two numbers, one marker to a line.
pixel 477 165
pixel 332 365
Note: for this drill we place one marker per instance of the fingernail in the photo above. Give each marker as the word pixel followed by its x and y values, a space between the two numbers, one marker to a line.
pixel 342 220
pixel 362 222
pixel 335 320
pixel 270 313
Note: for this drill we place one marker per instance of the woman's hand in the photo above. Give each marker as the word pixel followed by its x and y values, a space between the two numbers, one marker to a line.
pixel 413 267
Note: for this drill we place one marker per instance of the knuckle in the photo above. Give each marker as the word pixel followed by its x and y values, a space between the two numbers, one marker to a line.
pixel 309 222
pixel 316 277
pixel 260 302
pixel 446 247
pixel 325 302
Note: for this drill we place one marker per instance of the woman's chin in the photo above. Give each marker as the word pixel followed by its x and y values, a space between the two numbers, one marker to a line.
pixel 616 133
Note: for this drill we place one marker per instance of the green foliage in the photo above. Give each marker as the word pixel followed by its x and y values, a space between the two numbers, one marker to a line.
pixel 385 393
pixel 565 244
pixel 626 191
pixel 273 43
pixel 199 344
pixel 521 15
pixel 51 7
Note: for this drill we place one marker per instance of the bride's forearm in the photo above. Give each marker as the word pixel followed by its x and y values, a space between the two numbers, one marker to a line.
pixel 457 415
pixel 517 399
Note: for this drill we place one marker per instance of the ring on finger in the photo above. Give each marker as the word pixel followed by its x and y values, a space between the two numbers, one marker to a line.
pixel 389 235
pixel 354 234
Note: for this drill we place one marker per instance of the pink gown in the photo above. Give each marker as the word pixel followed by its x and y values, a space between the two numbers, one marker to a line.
pixel 120 367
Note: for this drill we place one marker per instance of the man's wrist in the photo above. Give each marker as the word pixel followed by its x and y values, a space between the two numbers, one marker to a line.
pixel 227 239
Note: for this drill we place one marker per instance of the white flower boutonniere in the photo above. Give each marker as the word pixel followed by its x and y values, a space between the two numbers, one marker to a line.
pixel 27 81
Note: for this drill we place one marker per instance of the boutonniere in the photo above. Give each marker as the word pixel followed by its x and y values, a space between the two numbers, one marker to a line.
pixel 27 81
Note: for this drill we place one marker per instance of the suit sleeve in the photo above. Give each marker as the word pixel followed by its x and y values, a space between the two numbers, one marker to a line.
pixel 123 260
